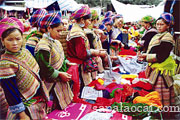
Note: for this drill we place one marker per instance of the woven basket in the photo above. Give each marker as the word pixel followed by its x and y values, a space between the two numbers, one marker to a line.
pixel 63 41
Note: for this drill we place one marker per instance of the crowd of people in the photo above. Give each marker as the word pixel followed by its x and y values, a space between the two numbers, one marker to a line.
pixel 37 76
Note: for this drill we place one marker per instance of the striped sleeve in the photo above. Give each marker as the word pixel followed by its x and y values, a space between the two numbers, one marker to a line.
pixel 8 69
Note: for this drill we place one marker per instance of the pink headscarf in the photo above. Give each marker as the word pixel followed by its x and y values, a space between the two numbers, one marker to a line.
pixel 83 11
pixel 10 22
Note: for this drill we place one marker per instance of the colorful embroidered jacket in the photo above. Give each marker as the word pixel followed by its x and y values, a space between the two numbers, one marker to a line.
pixel 78 45
pixel 50 56
pixel 147 36
pixel 32 40
pixel 19 78
pixel 94 40
pixel 158 56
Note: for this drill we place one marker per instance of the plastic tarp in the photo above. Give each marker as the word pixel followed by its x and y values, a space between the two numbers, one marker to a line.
pixel 9 8
pixel 135 12
pixel 69 5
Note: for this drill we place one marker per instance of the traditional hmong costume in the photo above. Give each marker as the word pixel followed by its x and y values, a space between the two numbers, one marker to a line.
pixel 147 36
pixel 3 105
pixel 34 37
pixel 50 56
pixel 95 43
pixel 22 86
pixel 162 66
pixel 79 50
pixel 32 40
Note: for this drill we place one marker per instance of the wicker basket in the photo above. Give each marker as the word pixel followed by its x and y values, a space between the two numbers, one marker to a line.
pixel 64 42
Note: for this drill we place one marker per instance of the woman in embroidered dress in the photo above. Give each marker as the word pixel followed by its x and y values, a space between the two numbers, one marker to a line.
pixel 161 65
pixel 78 45
pixel 147 22
pixel 19 77
pixel 34 37
pixel 93 37
pixel 53 63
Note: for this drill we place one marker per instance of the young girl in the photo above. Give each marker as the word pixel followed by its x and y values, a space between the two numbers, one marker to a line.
pixel 161 65
pixel 19 77
pixel 53 64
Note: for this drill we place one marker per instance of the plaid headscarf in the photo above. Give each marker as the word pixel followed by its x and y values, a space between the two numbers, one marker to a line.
pixel 168 17
pixel 83 11
pixel 37 16
pixel 118 16
pixel 8 22
pixel 107 20
pixel 19 22
pixel 51 19
pixel 94 14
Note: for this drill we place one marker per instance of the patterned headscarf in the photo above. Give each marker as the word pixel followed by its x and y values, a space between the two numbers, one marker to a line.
pixel 107 20
pixel 94 14
pixel 108 14
pixel 51 19
pixel 19 23
pixel 8 22
pixel 83 11
pixel 37 16
pixel 147 18
pixel 168 17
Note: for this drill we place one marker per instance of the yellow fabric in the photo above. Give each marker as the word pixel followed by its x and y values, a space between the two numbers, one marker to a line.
pixel 101 81
pixel 169 65
pixel 153 98
pixel 128 76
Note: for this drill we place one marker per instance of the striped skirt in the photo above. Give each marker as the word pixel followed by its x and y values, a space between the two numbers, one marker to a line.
pixel 166 94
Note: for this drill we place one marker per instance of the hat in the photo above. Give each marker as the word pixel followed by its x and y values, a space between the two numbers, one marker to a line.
pixel 168 17
pixel 7 23
pixel 108 14
pixel 51 19
pixel 19 22
pixel 37 16
pixel 83 11
pixel 117 16
pixel 107 20
pixel 148 19
pixel 94 14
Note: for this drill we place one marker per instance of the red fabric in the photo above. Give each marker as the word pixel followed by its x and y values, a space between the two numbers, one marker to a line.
pixel 144 85
pixel 96 85
pixel 76 49
pixel 130 79
pixel 103 102
pixel 142 75
pixel 113 86
pixel 75 60
pixel 73 70
pixel 142 92
pixel 127 91
pixel 118 96
pixel 119 116
pixel 127 52
pixel 99 87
